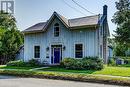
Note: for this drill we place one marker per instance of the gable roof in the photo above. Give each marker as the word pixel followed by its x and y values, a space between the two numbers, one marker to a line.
pixel 61 18
pixel 36 27
pixel 69 23
pixel 89 20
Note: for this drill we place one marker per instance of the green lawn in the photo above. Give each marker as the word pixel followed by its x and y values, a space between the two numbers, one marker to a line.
pixel 12 67
pixel 125 65
pixel 115 71
pixel 76 75
pixel 123 70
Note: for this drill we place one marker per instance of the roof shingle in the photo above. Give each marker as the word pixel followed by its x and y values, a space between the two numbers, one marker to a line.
pixel 36 27
pixel 76 22
pixel 89 20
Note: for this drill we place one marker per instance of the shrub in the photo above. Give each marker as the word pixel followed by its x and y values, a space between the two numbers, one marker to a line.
pixel 94 63
pixel 33 62
pixel 18 63
pixel 88 63
pixel 68 63
pixel 111 62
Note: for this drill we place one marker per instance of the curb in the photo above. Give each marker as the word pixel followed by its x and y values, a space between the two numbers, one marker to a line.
pixel 72 77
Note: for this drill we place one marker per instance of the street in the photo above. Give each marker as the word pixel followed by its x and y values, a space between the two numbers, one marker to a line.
pixel 10 81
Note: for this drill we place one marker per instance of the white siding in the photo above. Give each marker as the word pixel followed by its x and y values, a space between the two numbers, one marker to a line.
pixel 67 38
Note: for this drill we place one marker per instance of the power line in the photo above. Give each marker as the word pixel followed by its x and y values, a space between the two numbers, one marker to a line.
pixel 82 7
pixel 73 8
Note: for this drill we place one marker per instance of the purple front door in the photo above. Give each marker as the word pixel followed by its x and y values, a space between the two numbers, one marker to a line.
pixel 57 54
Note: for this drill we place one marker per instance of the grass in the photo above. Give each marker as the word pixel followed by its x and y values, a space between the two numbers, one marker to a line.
pixel 123 70
pixel 13 67
pixel 76 75
pixel 115 71
pixel 124 65
pixel 59 69
pixel 68 76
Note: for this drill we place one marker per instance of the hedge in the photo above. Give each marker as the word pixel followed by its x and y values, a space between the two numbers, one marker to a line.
pixel 88 63
pixel 68 76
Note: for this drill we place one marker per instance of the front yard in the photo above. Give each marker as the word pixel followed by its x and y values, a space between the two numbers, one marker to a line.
pixel 114 71
pixel 87 69
pixel 112 75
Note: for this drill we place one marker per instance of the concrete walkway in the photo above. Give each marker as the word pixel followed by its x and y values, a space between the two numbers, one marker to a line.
pixel 39 68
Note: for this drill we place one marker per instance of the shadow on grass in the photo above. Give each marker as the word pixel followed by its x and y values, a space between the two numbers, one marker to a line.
pixel 59 69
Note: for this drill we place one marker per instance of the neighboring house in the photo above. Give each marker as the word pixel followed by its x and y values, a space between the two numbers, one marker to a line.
pixel 20 53
pixel 59 38
pixel 127 53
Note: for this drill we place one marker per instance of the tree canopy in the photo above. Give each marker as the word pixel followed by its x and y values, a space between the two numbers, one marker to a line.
pixel 122 19
pixel 10 37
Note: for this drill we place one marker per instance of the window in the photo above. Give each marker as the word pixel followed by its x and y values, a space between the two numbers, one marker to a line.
pixel 78 51
pixel 37 51
pixel 56 30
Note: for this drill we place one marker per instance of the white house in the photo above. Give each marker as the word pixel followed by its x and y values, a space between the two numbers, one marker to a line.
pixel 59 38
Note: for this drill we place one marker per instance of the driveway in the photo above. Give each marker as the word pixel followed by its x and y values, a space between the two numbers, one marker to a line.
pixel 10 81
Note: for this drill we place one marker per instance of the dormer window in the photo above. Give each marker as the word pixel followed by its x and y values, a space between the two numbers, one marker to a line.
pixel 56 30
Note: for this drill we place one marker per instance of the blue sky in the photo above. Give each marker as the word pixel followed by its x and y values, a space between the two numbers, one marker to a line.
pixel 29 12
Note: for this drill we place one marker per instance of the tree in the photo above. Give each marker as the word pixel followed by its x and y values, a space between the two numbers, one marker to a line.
pixel 118 49
pixel 7 21
pixel 10 37
pixel 122 19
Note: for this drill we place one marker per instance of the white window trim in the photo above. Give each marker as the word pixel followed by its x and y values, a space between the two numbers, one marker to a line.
pixel 82 48
pixel 54 29
pixel 34 51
